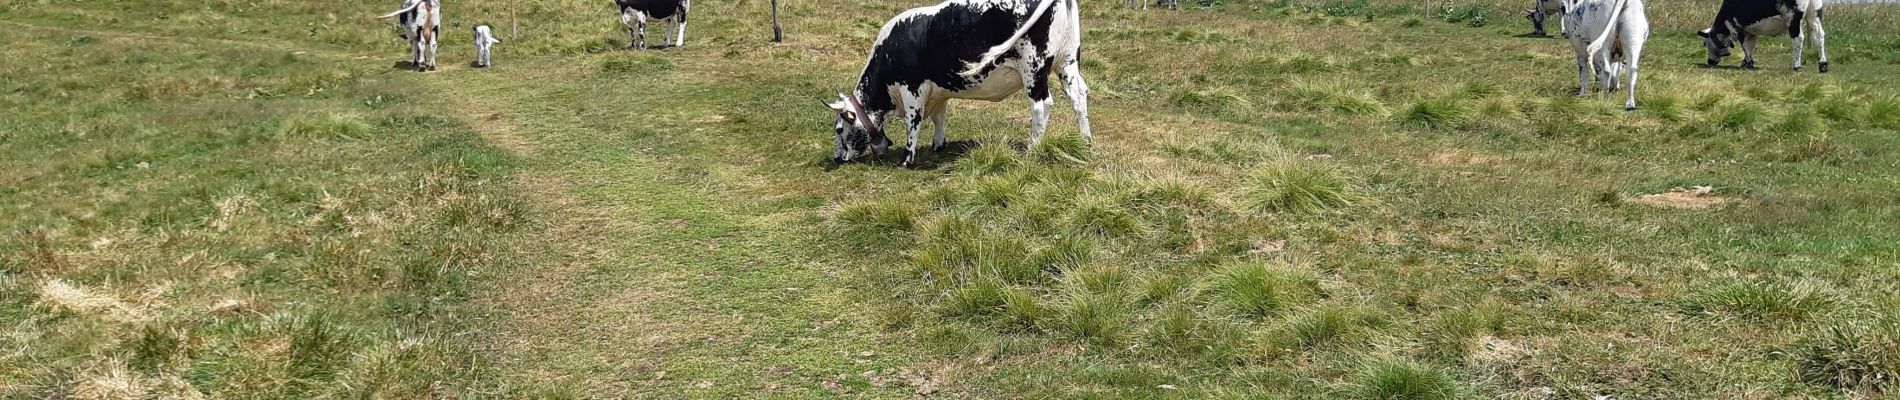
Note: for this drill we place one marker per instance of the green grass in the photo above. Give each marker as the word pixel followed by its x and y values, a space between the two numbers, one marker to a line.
pixel 1303 199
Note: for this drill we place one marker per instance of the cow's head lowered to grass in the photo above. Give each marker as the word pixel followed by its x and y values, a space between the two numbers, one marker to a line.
pixel 858 131
pixel 1718 44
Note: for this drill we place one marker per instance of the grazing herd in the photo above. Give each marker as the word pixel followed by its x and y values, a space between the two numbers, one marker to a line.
pixel 992 49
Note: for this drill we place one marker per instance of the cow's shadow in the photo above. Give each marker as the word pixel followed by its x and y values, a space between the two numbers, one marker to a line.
pixel 406 65
pixel 1534 35
pixel 927 158
pixel 1725 67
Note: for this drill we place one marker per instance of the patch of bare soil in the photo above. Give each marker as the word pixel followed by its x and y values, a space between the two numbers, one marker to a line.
pixel 1692 198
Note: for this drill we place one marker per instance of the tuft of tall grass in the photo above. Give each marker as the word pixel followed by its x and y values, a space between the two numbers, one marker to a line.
pixel 1325 326
pixel 987 160
pixel 1404 380
pixel 1761 301
pixel 1884 113
pixel 1257 289
pixel 1310 96
pixel 977 296
pixel 1101 218
pixel 1095 318
pixel 327 127
pixel 1062 149
pixel 1181 329
pixel 1296 188
pixel 1435 114
pixel 1022 310
pixel 959 248
pixel 1663 107
pixel 1839 111
pixel 1854 355
pixel 991 194
pixel 1742 117
pixel 881 217
pixel 1800 121
pixel 1217 101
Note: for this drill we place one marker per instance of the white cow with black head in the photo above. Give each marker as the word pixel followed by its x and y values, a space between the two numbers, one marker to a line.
pixel 1616 31
pixel 962 49
pixel 1746 20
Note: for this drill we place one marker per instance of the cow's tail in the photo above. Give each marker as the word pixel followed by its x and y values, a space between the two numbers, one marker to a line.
pixel 411 7
pixel 1616 12
pixel 971 69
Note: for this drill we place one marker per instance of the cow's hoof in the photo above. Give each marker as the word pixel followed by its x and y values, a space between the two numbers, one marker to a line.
pixel 1748 65
pixel 1629 108
pixel 1823 68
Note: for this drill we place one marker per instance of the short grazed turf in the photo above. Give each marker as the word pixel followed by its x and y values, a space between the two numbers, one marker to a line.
pixel 1295 199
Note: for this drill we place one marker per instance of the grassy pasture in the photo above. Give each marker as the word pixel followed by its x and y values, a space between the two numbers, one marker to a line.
pixel 1332 199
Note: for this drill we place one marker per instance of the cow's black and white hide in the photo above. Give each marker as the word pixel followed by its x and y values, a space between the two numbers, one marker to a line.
pixel 421 22
pixel 484 42
pixel 1541 12
pixel 962 49
pixel 673 11
pixel 1615 31
pixel 1745 20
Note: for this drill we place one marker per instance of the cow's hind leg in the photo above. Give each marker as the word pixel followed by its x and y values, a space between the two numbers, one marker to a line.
pixel 1036 83
pixel 936 122
pixel 432 48
pixel 636 22
pixel 1632 55
pixel 1078 92
pixel 1820 39
pixel 1794 35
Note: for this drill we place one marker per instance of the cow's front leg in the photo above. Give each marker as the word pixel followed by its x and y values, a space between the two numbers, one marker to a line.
pixel 913 122
pixel 1537 18
pixel 1078 92
pixel 641 37
pixel 633 35
pixel 1820 40
pixel 1583 75
pixel 1748 50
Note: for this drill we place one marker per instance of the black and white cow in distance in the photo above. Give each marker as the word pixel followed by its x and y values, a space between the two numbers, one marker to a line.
pixel 1541 12
pixel 665 10
pixel 1616 29
pixel 421 22
pixel 1746 20
pixel 963 49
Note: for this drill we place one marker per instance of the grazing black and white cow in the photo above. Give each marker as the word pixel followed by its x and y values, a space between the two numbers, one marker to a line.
pixel 963 49
pixel 484 41
pixel 1541 11
pixel 665 10
pixel 1746 20
pixel 421 22
pixel 1616 29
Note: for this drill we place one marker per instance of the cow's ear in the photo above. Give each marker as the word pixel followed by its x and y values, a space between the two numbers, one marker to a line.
pixel 1703 33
